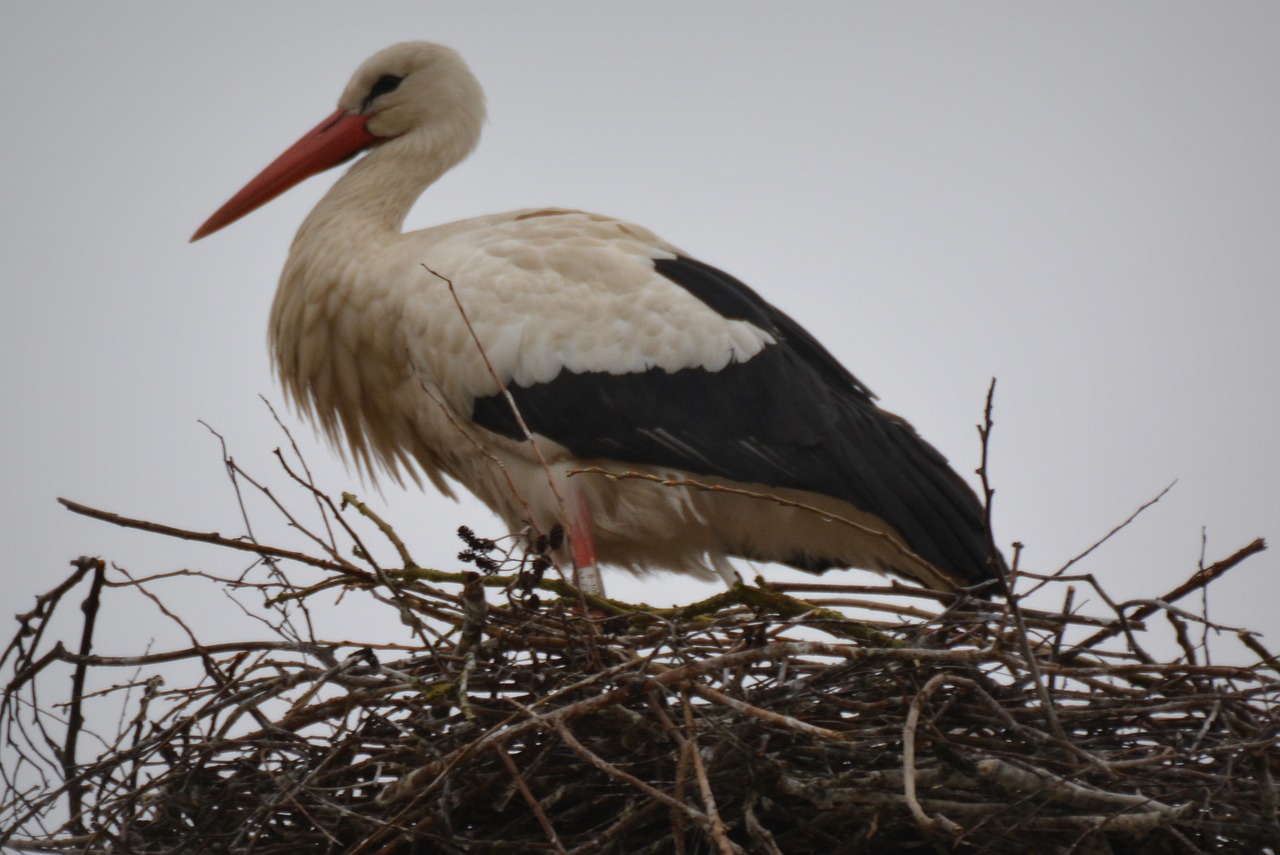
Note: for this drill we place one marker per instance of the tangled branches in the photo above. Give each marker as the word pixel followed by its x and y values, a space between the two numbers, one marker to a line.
pixel 523 717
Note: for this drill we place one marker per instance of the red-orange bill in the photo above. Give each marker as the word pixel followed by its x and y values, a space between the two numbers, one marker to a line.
pixel 329 143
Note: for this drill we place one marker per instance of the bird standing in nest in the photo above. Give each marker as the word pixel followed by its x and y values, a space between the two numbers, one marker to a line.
pixel 508 351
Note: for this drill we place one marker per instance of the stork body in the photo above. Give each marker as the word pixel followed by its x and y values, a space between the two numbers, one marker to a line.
pixel 618 351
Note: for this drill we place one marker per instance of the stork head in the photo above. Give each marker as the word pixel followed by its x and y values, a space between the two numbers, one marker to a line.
pixel 414 85
pixel 418 92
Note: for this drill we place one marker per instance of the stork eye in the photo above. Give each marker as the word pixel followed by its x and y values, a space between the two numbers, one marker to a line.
pixel 386 83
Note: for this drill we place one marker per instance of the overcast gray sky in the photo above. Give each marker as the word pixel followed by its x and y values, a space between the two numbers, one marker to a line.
pixel 1078 199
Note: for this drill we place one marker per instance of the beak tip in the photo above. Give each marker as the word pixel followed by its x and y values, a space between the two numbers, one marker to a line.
pixel 211 225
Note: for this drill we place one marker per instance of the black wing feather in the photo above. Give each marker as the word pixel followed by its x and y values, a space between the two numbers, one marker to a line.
pixel 791 416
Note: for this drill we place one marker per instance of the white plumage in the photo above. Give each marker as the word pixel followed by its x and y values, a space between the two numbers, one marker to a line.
pixel 620 350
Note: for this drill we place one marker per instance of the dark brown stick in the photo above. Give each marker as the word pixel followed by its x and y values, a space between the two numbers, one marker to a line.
pixel 75 720
pixel 1195 583
pixel 217 540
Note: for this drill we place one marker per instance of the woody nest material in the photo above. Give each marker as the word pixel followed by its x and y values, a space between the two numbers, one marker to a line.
pixel 525 717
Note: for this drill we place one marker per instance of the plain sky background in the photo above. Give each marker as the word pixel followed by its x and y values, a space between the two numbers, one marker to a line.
pixel 1082 200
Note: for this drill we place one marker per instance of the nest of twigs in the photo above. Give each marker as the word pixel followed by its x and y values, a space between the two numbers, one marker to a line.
pixel 526 717
pixel 753 722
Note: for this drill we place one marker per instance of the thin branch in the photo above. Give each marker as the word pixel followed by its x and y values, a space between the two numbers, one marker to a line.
pixel 1008 580
pixel 1097 543
pixel 547 827
pixel 75 722
pixel 1195 583
pixel 718 832
pixel 341 566
pixel 590 581
pixel 938 822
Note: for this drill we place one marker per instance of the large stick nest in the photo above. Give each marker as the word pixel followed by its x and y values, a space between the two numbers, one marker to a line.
pixel 526 717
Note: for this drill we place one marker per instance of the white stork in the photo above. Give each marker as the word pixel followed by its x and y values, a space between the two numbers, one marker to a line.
pixel 617 350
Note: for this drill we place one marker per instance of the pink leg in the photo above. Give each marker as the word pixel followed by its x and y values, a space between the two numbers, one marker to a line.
pixel 586 571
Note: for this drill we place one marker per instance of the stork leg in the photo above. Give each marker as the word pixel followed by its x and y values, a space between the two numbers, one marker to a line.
pixel 586 569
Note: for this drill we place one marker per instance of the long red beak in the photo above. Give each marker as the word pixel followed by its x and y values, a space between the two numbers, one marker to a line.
pixel 329 143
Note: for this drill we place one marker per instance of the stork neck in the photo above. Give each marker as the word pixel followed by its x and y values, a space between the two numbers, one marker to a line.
pixel 373 198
